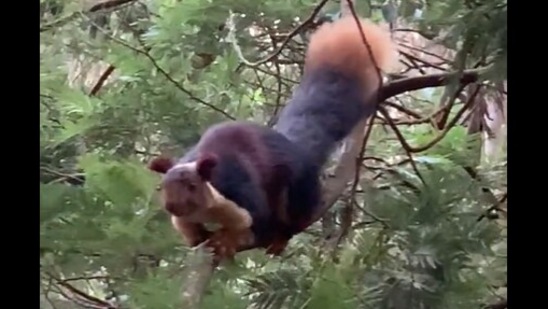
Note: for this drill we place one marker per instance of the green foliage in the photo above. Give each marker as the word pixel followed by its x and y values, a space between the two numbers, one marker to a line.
pixel 483 43
pixel 412 244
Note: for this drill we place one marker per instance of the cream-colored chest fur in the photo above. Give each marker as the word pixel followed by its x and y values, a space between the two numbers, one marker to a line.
pixel 221 211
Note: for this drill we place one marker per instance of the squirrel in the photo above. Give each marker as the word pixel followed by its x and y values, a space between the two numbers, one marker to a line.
pixel 262 184
pixel 236 176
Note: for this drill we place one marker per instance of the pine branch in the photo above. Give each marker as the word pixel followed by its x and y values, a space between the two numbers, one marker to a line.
pixel 197 275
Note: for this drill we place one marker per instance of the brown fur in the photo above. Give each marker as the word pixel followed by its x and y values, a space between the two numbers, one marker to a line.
pixel 193 233
pixel 237 140
pixel 277 246
pixel 225 242
pixel 160 164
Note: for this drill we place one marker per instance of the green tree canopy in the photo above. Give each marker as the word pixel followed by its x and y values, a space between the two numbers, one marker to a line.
pixel 419 221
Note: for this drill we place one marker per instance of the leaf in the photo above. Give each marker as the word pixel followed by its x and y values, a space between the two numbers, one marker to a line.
pixel 53 199
pixel 331 291
pixel 132 181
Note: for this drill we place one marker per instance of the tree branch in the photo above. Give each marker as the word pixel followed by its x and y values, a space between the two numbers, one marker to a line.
pixel 109 4
pixel 101 81
pixel 308 21
pixel 427 81
pixel 197 275
pixel 145 52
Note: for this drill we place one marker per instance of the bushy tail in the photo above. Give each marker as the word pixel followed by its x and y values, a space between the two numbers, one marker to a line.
pixel 339 86
pixel 340 46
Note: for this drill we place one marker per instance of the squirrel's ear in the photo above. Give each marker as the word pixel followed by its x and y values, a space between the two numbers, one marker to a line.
pixel 160 164
pixel 205 166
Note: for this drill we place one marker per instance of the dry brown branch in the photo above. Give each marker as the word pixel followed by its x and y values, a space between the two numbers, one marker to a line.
pixel 78 296
pixel 76 179
pixel 279 96
pixel 403 109
pixel 427 81
pixel 447 102
pixel 405 145
pixel 418 119
pixel 101 81
pixel 421 50
pixel 415 60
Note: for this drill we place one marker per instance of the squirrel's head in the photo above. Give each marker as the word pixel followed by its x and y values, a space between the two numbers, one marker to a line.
pixel 185 187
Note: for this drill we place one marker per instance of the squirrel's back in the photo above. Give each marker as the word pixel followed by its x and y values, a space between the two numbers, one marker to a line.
pixel 339 86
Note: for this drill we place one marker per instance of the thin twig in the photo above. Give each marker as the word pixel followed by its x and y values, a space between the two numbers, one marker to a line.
pixel 448 105
pixel 101 81
pixel 405 145
pixel 449 126
pixel 286 41
pixel 402 109
pixel 167 75
pixel 76 178
pixel 91 300
pixel 365 42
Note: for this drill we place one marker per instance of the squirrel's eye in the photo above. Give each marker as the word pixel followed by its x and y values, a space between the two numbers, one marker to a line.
pixel 191 187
